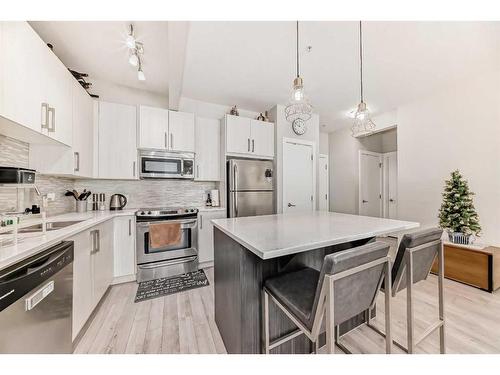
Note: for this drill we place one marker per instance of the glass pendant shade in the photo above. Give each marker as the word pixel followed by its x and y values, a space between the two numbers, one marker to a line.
pixel 133 59
pixel 140 75
pixel 363 123
pixel 298 105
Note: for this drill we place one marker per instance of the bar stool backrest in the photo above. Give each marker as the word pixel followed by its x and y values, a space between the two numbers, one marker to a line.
pixel 353 294
pixel 422 259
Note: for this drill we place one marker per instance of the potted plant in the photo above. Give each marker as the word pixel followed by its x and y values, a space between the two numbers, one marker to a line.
pixel 457 214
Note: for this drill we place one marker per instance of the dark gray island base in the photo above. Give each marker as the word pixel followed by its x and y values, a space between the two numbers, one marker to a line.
pixel 239 276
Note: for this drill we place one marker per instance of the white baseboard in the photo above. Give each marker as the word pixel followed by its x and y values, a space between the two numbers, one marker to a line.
pixel 124 279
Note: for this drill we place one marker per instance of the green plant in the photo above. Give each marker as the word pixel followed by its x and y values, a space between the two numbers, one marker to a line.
pixel 457 212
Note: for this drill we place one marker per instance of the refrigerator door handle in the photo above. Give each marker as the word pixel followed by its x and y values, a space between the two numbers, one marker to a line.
pixel 235 187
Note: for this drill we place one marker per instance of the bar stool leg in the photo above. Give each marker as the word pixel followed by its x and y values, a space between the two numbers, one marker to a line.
pixel 409 305
pixel 330 320
pixel 387 295
pixel 442 347
pixel 265 304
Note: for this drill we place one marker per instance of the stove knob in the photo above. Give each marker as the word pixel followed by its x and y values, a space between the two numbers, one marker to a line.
pixel 186 210
pixel 149 212
pixel 143 213
pixel 192 210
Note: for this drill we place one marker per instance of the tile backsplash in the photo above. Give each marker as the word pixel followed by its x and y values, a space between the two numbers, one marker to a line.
pixel 143 193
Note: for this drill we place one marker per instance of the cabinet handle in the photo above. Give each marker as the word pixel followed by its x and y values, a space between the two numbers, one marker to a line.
pixel 129 227
pixel 133 168
pixel 201 221
pixel 248 144
pixel 53 112
pixel 198 170
pixel 77 161
pixel 93 239
pixel 171 141
pixel 253 145
pixel 98 240
pixel 166 141
pixel 45 116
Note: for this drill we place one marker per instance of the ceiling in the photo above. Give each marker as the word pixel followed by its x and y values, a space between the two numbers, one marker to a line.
pixel 98 48
pixel 252 64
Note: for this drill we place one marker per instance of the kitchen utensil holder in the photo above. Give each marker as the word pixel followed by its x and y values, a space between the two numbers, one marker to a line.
pixel 81 206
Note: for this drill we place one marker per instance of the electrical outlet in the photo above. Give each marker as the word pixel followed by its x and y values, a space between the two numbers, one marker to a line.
pixel 51 197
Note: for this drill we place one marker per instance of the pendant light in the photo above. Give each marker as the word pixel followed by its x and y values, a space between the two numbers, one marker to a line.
pixel 363 123
pixel 298 106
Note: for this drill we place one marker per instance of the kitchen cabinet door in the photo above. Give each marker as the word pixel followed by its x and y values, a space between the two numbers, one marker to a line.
pixel 153 127
pixel 238 139
pixel 207 142
pixel 103 259
pixel 206 235
pixel 23 75
pixel 117 153
pixel 83 128
pixel 82 280
pixel 262 138
pixel 181 131
pixel 124 248
pixel 60 98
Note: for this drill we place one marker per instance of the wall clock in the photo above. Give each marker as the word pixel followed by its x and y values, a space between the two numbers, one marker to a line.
pixel 299 126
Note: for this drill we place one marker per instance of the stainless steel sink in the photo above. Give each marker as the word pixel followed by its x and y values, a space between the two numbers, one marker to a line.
pixel 50 226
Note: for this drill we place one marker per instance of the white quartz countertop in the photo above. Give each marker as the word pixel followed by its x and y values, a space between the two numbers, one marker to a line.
pixel 273 236
pixel 33 243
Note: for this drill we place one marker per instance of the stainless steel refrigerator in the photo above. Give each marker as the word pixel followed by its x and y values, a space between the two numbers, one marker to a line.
pixel 250 186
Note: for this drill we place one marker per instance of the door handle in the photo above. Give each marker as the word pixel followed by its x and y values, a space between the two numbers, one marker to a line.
pixel 171 141
pixel 166 140
pixel 53 127
pixel 235 187
pixel 201 221
pixel 248 144
pixel 98 240
pixel 253 145
pixel 364 201
pixel 45 116
pixel 77 160
pixel 198 170
pixel 129 227
pixel 291 205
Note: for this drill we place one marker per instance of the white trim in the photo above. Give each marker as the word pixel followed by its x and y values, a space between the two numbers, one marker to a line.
pixel 326 157
pixel 360 198
pixel 314 164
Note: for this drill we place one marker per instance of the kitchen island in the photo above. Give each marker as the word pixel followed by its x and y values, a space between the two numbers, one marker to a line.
pixel 248 250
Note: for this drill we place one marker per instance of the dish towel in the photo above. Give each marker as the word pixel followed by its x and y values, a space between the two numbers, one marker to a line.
pixel 164 234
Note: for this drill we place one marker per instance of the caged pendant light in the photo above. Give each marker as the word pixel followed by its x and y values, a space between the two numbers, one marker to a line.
pixel 363 123
pixel 298 106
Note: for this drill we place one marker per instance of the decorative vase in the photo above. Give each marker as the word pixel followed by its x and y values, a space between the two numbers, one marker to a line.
pixel 266 116
pixel 234 111
pixel 261 117
pixel 460 238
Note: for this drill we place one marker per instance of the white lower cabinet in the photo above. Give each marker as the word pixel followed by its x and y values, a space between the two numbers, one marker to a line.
pixel 206 235
pixel 92 270
pixel 124 249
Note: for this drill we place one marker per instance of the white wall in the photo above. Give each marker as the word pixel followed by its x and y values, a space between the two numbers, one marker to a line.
pixel 210 110
pixel 283 129
pixel 458 127
pixel 111 92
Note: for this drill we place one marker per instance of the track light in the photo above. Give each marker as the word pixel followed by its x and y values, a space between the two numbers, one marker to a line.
pixel 133 59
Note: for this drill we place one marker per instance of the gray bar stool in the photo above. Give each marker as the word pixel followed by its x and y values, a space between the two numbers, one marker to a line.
pixel 415 257
pixel 347 285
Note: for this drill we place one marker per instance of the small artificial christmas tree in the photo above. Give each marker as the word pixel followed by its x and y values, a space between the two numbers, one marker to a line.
pixel 457 213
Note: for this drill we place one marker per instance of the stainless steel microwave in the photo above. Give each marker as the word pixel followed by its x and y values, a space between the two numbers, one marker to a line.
pixel 163 164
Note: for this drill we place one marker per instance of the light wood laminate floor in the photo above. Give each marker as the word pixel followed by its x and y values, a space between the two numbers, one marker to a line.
pixel 184 322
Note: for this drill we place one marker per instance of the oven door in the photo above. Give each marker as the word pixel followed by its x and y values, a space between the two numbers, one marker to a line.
pixel 186 247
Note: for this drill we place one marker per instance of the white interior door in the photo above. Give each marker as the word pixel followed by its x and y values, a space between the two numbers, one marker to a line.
pixel 370 184
pixel 298 177
pixel 391 185
pixel 323 198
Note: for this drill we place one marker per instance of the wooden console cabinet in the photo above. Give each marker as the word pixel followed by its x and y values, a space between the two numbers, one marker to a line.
pixel 477 267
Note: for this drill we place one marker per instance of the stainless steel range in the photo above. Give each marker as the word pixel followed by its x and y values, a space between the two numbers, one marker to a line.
pixel 167 242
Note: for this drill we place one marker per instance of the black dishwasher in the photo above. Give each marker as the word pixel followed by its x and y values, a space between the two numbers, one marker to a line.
pixel 36 301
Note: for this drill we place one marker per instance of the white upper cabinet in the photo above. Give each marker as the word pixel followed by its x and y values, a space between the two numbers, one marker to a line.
pixel 262 138
pixel 248 137
pixel 181 131
pixel 36 86
pixel 238 139
pixel 207 142
pixel 83 127
pixel 153 127
pixel 117 133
